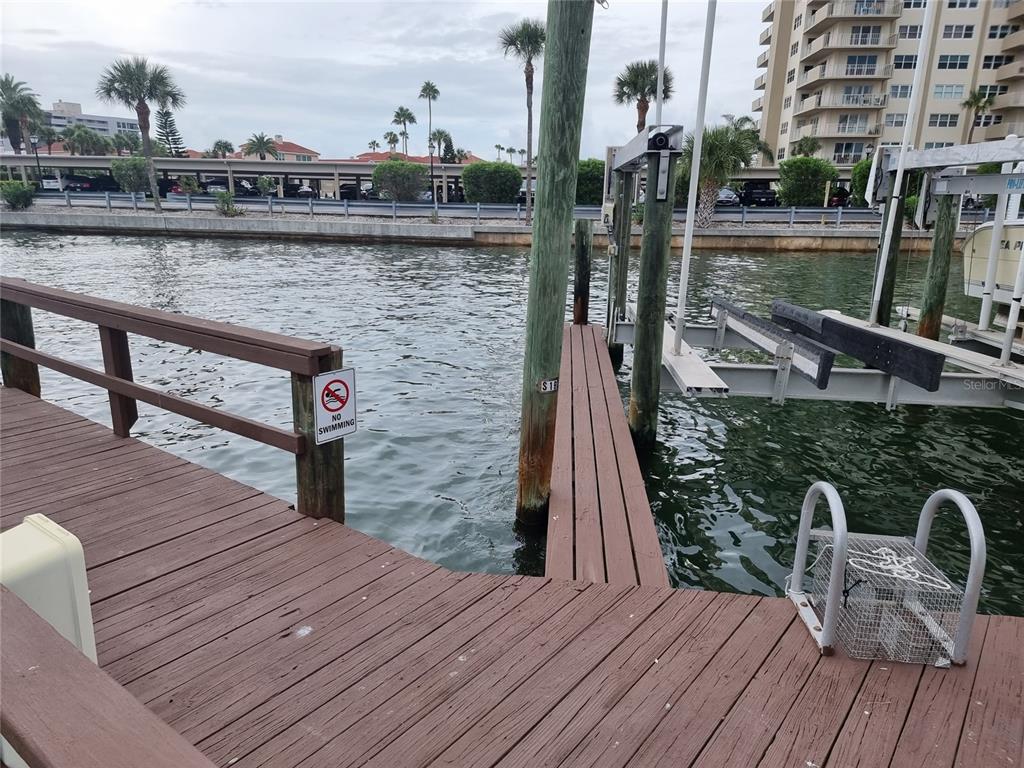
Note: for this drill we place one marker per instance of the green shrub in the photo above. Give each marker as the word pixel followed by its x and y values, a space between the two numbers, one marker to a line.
pixel 189 185
pixel 802 180
pixel 266 185
pixel 590 182
pixel 487 182
pixel 400 180
pixel 17 194
pixel 910 208
pixel 637 214
pixel 130 173
pixel 225 205
pixel 859 181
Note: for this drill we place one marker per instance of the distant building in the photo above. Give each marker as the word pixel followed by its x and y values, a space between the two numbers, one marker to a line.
pixel 65 113
pixel 841 72
pixel 286 151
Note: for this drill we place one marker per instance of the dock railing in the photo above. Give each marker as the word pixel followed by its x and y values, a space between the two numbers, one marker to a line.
pixel 319 468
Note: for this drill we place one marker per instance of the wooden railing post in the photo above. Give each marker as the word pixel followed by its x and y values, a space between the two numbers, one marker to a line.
pixel 319 469
pixel 584 240
pixel 117 361
pixel 16 326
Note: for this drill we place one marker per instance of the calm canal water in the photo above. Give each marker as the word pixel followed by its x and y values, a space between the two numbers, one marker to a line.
pixel 436 337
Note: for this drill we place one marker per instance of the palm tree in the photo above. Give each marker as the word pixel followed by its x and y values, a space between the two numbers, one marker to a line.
pixel 374 145
pixel 260 144
pixel 511 152
pixel 525 41
pixel 638 83
pixel 134 83
pixel 461 155
pixel 727 148
pixel 19 105
pixel 500 150
pixel 222 148
pixel 806 146
pixel 976 104
pixel 404 117
pixel 391 139
pixel 48 136
pixel 429 92
pixel 522 157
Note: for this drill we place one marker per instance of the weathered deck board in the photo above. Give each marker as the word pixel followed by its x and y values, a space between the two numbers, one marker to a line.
pixel 270 639
pixel 600 526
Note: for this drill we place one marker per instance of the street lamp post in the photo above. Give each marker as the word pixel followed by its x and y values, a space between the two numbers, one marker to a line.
pixel 430 150
pixel 35 151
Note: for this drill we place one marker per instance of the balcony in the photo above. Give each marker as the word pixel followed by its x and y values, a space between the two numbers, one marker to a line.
pixel 1016 11
pixel 1010 72
pixel 759 82
pixel 994 132
pixel 1012 100
pixel 766 36
pixel 768 13
pixel 848 159
pixel 872 10
pixel 837 130
pixel 824 72
pixel 762 60
pixel 757 105
pixel 844 101
pixel 1014 42
pixel 829 42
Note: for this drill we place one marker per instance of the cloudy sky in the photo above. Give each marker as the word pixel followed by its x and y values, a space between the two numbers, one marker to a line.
pixel 330 74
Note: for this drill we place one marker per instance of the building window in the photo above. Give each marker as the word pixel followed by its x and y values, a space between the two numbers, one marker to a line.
pixel 781 154
pixel 787 102
pixel 859 95
pixel 999 31
pixel 913 4
pixel 937 144
pixel 993 90
pixel 958 31
pixel 784 129
pixel 953 61
pixel 857 123
pixel 996 61
pixel 861 65
pixel 904 61
pixel 790 76
pixel 798 21
pixel 847 152
pixel 962 4
pixel 1003 3
pixel 895 119
pixel 865 35
pixel 910 32
pixel 899 91
pixel 794 48
pixel 943 120
pixel 984 121
pixel 948 92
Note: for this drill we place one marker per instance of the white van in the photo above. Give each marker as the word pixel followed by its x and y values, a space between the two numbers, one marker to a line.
pixel 55 182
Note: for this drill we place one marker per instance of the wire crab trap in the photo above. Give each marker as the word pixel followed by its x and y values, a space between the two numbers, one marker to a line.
pixel 880 597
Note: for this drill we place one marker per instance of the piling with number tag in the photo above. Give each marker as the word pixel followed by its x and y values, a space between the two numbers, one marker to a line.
pixel 569 24
pixel 583 240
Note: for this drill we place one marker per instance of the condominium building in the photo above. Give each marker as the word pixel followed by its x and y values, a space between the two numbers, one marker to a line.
pixel 65 113
pixel 841 72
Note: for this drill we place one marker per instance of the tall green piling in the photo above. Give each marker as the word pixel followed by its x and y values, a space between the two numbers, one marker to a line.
pixel 569 26
pixel 650 305
pixel 937 277
pixel 619 275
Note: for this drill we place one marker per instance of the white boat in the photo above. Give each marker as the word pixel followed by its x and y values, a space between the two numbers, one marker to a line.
pixel 976 260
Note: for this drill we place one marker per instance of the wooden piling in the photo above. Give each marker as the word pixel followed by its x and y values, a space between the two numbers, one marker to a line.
pixel 890 260
pixel 937 276
pixel 583 241
pixel 117 361
pixel 650 306
pixel 623 239
pixel 569 24
pixel 319 469
pixel 16 326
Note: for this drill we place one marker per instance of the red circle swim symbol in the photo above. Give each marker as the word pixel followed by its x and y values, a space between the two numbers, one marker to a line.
pixel 334 395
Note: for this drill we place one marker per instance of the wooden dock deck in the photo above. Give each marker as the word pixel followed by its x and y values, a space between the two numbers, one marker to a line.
pixel 267 638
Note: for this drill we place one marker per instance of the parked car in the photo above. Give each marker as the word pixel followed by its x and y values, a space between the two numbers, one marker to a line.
pixel 758 193
pixel 245 188
pixel 213 187
pixel 55 182
pixel 102 183
pixel 727 197
pixel 370 194
pixel 348 192
pixel 839 198
pixel 305 191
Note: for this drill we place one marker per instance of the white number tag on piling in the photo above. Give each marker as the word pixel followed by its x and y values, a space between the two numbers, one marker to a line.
pixel 547 386
pixel 334 394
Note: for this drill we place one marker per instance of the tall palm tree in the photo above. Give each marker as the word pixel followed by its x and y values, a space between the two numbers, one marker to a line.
pixel 391 139
pixel 522 157
pixel 442 139
pixel 727 148
pixel 806 146
pixel 429 92
pixel 976 104
pixel 461 155
pixel 500 150
pixel 525 41
pixel 48 136
pixel 638 84
pixel 260 144
pixel 511 151
pixel 373 145
pixel 19 105
pixel 404 117
pixel 134 82
pixel 222 148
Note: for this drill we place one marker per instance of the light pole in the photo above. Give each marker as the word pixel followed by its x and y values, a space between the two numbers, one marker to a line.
pixel 430 150
pixel 35 151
